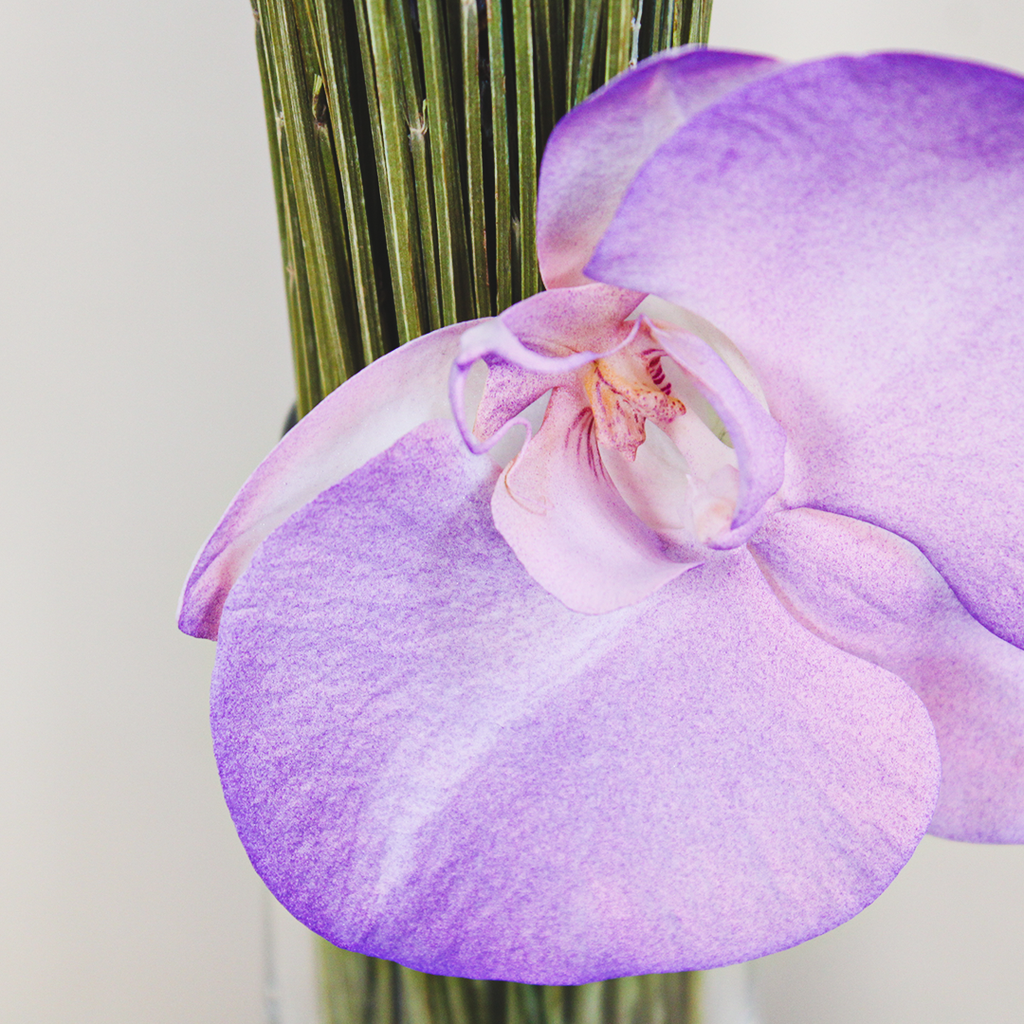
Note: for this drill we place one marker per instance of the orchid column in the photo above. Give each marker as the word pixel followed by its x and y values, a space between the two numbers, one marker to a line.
pixel 405 141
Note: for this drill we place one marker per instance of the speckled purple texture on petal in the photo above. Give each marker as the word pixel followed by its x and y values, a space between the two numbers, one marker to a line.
pixel 854 226
pixel 594 151
pixel 564 321
pixel 875 595
pixel 363 417
pixel 432 760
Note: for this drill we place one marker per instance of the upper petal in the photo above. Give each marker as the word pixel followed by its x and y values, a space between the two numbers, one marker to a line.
pixel 875 595
pixel 594 151
pixel 853 225
pixel 431 759
pixel 363 417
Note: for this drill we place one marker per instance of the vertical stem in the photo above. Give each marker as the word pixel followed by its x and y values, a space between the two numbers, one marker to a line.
pixel 341 272
pixel 418 175
pixel 662 39
pixel 330 33
pixel 526 134
pixel 573 31
pixel 680 22
pixel 593 12
pixel 635 28
pixel 361 990
pixel 424 207
pixel 311 201
pixel 307 374
pixel 502 172
pixel 546 96
pixel 700 22
pixel 447 185
pixel 399 213
pixel 619 38
pixel 474 155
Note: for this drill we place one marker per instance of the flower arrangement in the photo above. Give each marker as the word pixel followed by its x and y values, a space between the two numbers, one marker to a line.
pixel 686 679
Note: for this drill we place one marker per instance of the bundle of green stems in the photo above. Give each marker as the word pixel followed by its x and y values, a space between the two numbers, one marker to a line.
pixel 405 140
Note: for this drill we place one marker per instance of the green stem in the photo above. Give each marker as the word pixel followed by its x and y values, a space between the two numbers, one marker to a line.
pixel 524 227
pixel 504 277
pixel 361 990
pixel 699 22
pixel 442 120
pixel 311 200
pixel 331 36
pixel 617 48
pixel 474 153
pixel 592 16
pixel 394 165
pixel 307 373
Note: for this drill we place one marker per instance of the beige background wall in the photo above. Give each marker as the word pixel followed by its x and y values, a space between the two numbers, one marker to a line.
pixel 144 373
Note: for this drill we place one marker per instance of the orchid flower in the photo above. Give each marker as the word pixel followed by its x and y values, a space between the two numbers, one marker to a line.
pixel 685 680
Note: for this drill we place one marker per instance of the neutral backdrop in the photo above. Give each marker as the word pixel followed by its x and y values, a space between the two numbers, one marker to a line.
pixel 145 372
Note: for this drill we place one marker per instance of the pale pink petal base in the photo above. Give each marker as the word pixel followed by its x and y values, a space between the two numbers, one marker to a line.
pixel 431 759
pixel 759 441
pixel 562 514
pixel 875 595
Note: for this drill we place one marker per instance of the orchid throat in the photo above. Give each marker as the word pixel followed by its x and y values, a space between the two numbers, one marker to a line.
pixel 672 456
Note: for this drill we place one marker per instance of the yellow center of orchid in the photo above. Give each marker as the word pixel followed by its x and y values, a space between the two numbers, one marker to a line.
pixel 624 390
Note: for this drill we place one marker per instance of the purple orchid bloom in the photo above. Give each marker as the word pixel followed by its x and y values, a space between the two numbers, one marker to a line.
pixel 685 682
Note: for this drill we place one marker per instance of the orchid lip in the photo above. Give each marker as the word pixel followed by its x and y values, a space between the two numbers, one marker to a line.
pixel 670 438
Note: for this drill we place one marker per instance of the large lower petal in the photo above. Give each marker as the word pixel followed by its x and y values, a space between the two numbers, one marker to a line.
pixel 596 149
pixel 362 418
pixel 854 226
pixel 875 595
pixel 431 759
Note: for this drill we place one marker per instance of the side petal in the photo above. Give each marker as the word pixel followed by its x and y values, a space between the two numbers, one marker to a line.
pixel 853 225
pixel 432 760
pixel 872 593
pixel 562 515
pixel 596 149
pixel 759 441
pixel 362 418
